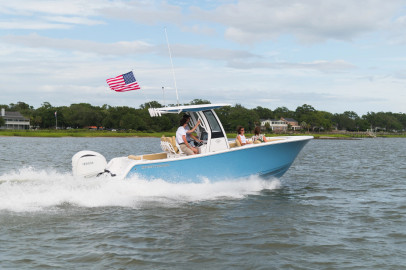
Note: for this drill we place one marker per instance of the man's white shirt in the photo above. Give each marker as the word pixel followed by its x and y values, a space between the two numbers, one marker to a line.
pixel 179 133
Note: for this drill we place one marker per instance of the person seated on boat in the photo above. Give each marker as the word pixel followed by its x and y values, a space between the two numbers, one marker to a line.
pixel 241 137
pixel 191 139
pixel 181 138
pixel 258 137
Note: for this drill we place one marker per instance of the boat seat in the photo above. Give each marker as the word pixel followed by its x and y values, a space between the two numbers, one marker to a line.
pixel 149 156
pixel 270 139
pixel 237 142
pixel 169 145
pixel 135 157
pixel 232 144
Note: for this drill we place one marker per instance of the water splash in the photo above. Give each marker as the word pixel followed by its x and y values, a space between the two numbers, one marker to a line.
pixel 38 190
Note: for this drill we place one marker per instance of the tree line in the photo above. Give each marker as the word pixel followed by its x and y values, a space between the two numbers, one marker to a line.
pixel 83 115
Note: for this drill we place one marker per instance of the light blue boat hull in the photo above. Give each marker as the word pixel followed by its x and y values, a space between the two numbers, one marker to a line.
pixel 267 160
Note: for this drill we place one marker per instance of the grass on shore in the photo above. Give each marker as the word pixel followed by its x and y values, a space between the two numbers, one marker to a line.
pixel 105 133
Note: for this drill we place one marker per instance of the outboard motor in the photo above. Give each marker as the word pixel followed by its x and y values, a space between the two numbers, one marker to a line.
pixel 88 164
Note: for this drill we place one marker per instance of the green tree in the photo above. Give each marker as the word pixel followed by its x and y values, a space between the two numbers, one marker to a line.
pixel 383 121
pixel 21 107
pixel 47 115
pixel 283 112
pixel 351 114
pixel 84 114
pixel 350 121
pixel 309 117
pixel 362 124
pixel 324 120
pixel 129 121
pixel 36 120
pixel 304 113
pixel 305 126
pixel 264 113
pixel 198 101
pixel 401 117
pixel 344 122
pixel 268 127
pixel 240 116
pixel 151 104
pixel 224 115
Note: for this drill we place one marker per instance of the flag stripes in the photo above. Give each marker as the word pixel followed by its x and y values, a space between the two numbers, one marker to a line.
pixel 123 83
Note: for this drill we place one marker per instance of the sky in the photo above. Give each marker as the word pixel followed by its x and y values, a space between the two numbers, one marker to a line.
pixel 334 55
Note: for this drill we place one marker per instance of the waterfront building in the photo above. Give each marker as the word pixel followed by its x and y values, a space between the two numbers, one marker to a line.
pixel 14 120
pixel 275 125
pixel 292 122
pixel 280 125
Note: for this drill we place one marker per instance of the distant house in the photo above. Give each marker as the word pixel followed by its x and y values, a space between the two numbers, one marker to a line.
pixel 292 122
pixel 14 120
pixel 275 124
pixel 280 125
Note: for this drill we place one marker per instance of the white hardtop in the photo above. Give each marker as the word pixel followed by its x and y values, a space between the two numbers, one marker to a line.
pixel 187 108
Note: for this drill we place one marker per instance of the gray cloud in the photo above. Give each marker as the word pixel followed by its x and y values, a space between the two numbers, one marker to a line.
pixel 44 14
pixel 32 25
pixel 247 21
pixel 321 65
pixel 206 52
pixel 65 70
pixel 145 12
pixel 117 48
pixel 251 21
pixel 128 47
pixel 60 7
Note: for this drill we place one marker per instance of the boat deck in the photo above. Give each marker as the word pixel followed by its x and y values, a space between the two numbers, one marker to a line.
pixel 171 149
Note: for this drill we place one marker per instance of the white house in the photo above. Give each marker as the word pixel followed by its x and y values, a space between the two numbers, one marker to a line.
pixel 292 122
pixel 275 124
pixel 14 120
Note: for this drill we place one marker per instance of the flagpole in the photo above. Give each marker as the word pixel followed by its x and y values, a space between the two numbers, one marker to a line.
pixel 173 70
pixel 56 120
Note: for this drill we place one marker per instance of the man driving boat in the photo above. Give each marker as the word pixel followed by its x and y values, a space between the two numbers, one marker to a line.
pixel 190 137
pixel 181 136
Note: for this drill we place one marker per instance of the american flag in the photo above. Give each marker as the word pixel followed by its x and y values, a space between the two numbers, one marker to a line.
pixel 123 83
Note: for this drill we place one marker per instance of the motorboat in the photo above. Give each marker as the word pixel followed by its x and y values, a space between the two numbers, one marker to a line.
pixel 219 158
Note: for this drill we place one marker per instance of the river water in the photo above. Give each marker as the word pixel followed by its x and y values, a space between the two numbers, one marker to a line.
pixel 342 205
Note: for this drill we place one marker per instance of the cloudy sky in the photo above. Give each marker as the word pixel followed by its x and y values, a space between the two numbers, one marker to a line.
pixel 334 55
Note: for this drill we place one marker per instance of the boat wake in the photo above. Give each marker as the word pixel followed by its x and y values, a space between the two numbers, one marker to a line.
pixel 30 190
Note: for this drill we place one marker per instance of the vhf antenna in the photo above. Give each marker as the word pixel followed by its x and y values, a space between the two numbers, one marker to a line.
pixel 173 69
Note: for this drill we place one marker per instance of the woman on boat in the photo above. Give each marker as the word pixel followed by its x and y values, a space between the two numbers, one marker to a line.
pixel 257 136
pixel 241 137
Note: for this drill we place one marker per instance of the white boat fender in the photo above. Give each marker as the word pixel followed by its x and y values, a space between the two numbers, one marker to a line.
pixel 88 164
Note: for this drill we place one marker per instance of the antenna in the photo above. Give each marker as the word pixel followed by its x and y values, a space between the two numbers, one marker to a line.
pixel 163 93
pixel 173 70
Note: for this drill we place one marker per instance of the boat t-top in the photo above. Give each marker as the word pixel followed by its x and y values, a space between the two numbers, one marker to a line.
pixel 219 157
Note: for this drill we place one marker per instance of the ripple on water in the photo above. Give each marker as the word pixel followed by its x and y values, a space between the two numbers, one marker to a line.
pixel 340 206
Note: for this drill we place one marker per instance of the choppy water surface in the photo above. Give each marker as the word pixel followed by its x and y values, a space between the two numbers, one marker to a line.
pixel 342 205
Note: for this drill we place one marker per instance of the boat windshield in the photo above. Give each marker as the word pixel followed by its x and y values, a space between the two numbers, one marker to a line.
pixel 215 127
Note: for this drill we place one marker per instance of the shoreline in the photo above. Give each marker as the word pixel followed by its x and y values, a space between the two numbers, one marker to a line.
pixel 110 134
pixel 340 138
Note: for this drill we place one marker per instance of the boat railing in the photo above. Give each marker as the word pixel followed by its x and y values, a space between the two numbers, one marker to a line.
pixel 169 145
